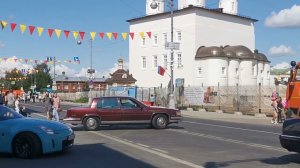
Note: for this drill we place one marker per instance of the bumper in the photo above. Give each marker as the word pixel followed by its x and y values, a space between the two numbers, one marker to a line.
pixel 73 121
pixel 58 143
pixel 291 143
pixel 175 119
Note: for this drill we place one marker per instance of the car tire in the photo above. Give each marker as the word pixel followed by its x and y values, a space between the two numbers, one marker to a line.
pixel 27 146
pixel 91 123
pixel 160 121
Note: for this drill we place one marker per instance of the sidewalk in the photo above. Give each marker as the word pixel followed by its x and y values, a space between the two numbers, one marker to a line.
pixel 228 117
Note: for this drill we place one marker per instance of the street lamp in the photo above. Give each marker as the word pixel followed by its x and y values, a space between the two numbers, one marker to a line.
pixel 154 5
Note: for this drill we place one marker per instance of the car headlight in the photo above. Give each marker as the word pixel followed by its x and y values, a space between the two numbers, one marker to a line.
pixel 46 130
pixel 178 113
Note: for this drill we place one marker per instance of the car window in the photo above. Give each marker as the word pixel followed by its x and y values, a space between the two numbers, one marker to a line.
pixel 128 104
pixel 108 103
pixel 7 113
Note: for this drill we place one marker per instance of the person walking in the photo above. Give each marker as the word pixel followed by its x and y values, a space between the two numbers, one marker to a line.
pixel 152 100
pixel 17 104
pixel 10 100
pixel 1 99
pixel 279 109
pixel 48 105
pixel 274 105
pixel 56 106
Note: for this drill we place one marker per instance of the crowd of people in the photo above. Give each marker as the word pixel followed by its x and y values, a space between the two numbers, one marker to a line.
pixel 280 108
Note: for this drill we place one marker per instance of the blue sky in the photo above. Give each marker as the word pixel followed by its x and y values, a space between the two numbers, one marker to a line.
pixel 277 31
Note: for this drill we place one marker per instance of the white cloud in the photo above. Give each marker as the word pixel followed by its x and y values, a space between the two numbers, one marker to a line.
pixel 283 65
pixel 10 64
pixel 285 18
pixel 281 50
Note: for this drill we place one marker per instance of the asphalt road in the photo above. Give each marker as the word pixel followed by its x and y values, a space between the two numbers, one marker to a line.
pixel 192 143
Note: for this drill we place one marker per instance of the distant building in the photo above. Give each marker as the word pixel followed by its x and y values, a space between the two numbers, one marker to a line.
pixel 216 46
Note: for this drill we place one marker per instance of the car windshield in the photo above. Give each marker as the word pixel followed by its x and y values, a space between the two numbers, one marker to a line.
pixel 7 113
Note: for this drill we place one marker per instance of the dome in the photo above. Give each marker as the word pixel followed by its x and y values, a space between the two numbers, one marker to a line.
pixel 213 51
pixel 263 57
pixel 241 52
pixel 229 53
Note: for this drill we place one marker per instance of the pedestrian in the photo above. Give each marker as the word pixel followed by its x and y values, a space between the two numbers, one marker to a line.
pixel 152 100
pixel 10 100
pixel 56 106
pixel 285 108
pixel 48 106
pixel 279 109
pixel 5 98
pixel 17 104
pixel 274 105
pixel 1 99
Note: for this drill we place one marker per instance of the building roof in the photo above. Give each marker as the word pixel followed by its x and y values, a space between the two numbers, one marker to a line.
pixel 241 52
pixel 63 78
pixel 210 52
pixel 190 8
pixel 121 76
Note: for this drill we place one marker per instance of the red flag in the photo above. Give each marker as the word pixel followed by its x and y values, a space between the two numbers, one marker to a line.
pixel 149 34
pixel 26 60
pixel 13 26
pixel 101 34
pixel 81 35
pixel 67 32
pixel 115 35
pixel 50 31
pixel 161 70
pixel 31 29
pixel 131 35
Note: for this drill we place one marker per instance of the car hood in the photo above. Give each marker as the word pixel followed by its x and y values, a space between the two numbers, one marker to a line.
pixel 33 122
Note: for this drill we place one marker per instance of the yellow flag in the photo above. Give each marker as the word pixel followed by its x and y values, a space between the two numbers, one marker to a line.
pixel 124 35
pixel 109 35
pixel 142 34
pixel 93 34
pixel 3 24
pixel 23 28
pixel 75 34
pixel 57 32
pixel 40 30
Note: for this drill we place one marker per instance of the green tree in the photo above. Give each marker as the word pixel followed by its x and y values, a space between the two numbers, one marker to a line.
pixel 14 79
pixel 42 76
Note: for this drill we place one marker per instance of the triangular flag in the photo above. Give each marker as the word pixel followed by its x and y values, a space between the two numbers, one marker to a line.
pixel 149 34
pixel 93 34
pixel 124 35
pixel 50 32
pixel 67 32
pixel 13 26
pixel 3 24
pixel 23 28
pixel 81 35
pixel 108 34
pixel 101 34
pixel 115 35
pixel 161 70
pixel 40 30
pixel 26 60
pixel 131 35
pixel 57 32
pixel 142 34
pixel 75 34
pixel 31 29
pixel 15 59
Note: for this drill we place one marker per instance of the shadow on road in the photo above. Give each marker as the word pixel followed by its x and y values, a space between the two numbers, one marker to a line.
pixel 282 160
pixel 87 155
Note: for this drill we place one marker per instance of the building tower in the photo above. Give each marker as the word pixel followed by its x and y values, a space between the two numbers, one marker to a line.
pixel 186 3
pixel 229 6
pixel 160 7
pixel 120 63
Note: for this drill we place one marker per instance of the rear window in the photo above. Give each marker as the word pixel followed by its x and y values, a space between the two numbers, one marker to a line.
pixel 108 103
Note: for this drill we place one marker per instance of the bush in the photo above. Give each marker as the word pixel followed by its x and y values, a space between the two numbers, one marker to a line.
pixel 82 100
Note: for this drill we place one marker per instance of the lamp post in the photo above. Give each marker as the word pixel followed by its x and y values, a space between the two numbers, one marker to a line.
pixel 91 71
pixel 154 5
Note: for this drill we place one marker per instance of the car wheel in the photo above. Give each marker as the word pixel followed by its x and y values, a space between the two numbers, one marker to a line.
pixel 27 146
pixel 160 121
pixel 91 123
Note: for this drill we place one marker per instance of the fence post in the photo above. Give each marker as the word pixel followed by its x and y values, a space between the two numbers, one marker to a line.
pixel 237 97
pixel 219 95
pixel 259 98
pixel 142 94
pixel 203 94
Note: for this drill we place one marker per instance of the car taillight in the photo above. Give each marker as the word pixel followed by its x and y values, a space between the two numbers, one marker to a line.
pixel 178 113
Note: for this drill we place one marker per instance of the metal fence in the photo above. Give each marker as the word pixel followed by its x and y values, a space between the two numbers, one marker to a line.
pixel 246 99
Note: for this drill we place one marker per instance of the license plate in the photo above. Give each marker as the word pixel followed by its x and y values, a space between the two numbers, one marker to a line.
pixel 71 137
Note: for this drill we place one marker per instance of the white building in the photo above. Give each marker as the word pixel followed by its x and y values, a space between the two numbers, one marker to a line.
pixel 201 59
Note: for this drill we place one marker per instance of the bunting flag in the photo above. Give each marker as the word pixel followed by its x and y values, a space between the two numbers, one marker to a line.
pixel 57 32
pixel 131 35
pixel 81 35
pixel 13 26
pixel 75 34
pixel 124 35
pixel 149 34
pixel 142 34
pixel 108 34
pixel 23 28
pixel 161 70
pixel 66 33
pixel 101 34
pixel 40 30
pixel 31 29
pixel 93 34
pixel 3 24
pixel 115 35
pixel 50 32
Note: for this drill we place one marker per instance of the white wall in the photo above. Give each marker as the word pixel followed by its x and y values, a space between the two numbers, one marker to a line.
pixel 232 74
pixel 229 6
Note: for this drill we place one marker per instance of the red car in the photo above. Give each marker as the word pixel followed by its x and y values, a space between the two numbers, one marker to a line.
pixel 121 110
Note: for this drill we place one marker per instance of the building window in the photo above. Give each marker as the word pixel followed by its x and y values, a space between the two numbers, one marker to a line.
pixel 254 72
pixel 232 6
pixel 165 38
pixel 155 40
pixel 223 71
pixel 73 87
pixel 199 72
pixel 178 36
pixel 66 87
pixel 144 63
pixel 165 61
pixel 155 64
pixel 237 71
pixel 124 76
pixel 179 60
pixel 143 42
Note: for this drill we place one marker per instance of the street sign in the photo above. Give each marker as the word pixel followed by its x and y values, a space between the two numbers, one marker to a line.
pixel 172 45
